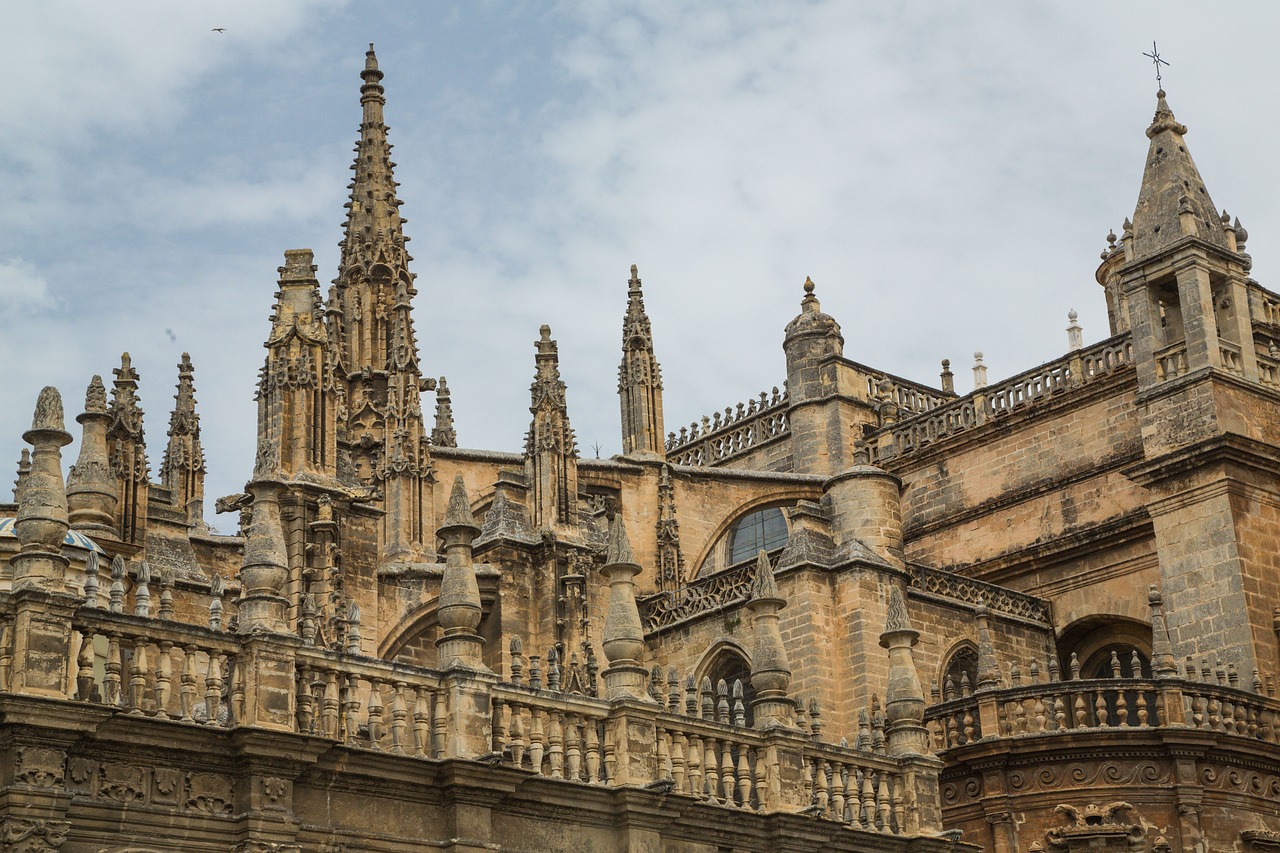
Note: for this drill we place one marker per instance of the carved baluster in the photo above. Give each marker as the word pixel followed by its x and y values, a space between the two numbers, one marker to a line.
pixel 1081 710
pixel 728 772
pixel 610 752
pixel 821 787
pixel 678 748
pixel 1100 707
pixel 498 722
pixel 898 811
pixel 84 666
pixel 213 689
pixel 399 718
pixel 1122 709
pixel 868 801
pixel 1059 713
pixel 885 821
pixel 711 766
pixel 164 679
pixel 1037 712
pixel 6 655
pixel 1199 711
pixel 555 742
pixel 330 713
pixel 760 774
pixel 515 733
pixel 591 731
pixel 662 748
pixel 1019 717
pixel 536 741
pixel 953 732
pixel 1074 665
pixel 839 778
pixel 302 705
pixel 375 714
pixel 114 667
pixel 1143 713
pixel 439 723
pixel 1228 716
pixel 422 722
pixel 851 796
pixel 744 778
pixel 351 710
pixel 187 689
pixel 968 725
pixel 694 762
pixel 1215 713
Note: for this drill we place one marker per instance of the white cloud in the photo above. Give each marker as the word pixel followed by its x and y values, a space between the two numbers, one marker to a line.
pixel 22 288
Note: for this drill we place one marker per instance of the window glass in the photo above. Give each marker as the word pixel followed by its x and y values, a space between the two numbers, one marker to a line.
pixel 766 529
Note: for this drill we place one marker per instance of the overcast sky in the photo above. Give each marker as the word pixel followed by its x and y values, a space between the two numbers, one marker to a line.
pixel 946 173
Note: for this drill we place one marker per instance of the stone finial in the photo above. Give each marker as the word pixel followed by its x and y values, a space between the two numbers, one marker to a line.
pixel 979 372
pixel 443 433
pixel 24 469
pixel 460 609
pixel 265 567
pixel 988 666
pixel 948 378
pixel 770 669
pixel 623 638
pixel 904 697
pixel 1075 335
pixel 1162 660
pixel 42 520
pixel 91 484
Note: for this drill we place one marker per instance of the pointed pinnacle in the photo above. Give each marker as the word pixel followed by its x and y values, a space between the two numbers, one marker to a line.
pixel 896 619
pixel 459 512
pixel 619 552
pixel 95 397
pixel 48 413
pixel 763 586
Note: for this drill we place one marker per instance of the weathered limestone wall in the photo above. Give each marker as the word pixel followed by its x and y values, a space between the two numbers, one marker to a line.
pixel 951 625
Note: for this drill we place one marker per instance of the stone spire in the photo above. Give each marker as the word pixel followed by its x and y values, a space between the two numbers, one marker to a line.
pixel 459 613
pixel 810 340
pixel 127 450
pixel 1173 202
pixel 91 487
pixel 770 670
pixel 42 520
pixel 24 469
pixel 1163 663
pixel 443 434
pixel 551 449
pixel 623 638
pixel 904 697
pixel 183 469
pixel 374 261
pixel 296 399
pixel 639 380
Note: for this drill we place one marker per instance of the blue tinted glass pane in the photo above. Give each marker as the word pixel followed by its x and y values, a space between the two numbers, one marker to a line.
pixel 765 529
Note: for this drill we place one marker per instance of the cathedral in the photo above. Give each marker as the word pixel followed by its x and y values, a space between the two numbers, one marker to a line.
pixel 857 612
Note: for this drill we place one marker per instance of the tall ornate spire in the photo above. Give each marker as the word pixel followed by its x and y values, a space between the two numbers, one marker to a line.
pixel 551 450
pixel 374 260
pixel 91 487
pixel 1173 202
pixel 127 449
pixel 639 379
pixel 183 468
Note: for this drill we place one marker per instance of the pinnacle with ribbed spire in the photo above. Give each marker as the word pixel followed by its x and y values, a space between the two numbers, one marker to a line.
pixel 183 468
pixel 639 379
pixel 1173 202
pixel 443 433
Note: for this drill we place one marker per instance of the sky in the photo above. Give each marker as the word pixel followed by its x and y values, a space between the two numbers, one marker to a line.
pixel 945 173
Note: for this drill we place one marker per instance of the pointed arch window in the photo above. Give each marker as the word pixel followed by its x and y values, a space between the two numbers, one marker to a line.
pixel 763 530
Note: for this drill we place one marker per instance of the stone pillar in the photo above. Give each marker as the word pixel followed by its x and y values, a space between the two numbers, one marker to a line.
pixel 818 445
pixel 770 671
pixel 459 612
pixel 988 678
pixel 1195 296
pixel 623 638
pixel 865 506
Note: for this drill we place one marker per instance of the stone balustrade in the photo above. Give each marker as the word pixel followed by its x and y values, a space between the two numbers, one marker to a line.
pixel 998 599
pixel 719 438
pixel 1048 707
pixel 700 596
pixel 1076 369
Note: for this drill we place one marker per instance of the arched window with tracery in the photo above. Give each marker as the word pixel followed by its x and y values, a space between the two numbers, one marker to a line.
pixel 961 672
pixel 729 666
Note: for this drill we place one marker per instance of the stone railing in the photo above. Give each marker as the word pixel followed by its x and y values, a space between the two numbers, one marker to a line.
pixel 996 598
pixel 994 401
pixel 911 397
pixel 1268 372
pixel 1230 354
pixel 706 594
pixel 1051 706
pixel 1171 361
pixel 719 438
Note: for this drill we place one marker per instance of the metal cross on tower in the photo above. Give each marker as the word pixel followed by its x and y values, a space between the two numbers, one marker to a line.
pixel 1154 56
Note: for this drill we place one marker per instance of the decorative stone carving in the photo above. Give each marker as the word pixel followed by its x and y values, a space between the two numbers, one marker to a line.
pixel 1260 839
pixel 168 786
pixel 124 783
pixel 39 767
pixel 31 835
pixel 275 792
pixel 209 793
pixel 81 772
pixel 1096 828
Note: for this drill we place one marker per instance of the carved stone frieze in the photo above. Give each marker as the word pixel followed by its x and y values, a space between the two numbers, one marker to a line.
pixel 124 783
pixel 1052 777
pixel 209 793
pixel 39 767
pixel 32 835
pixel 962 790
pixel 1241 780
pixel 168 786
